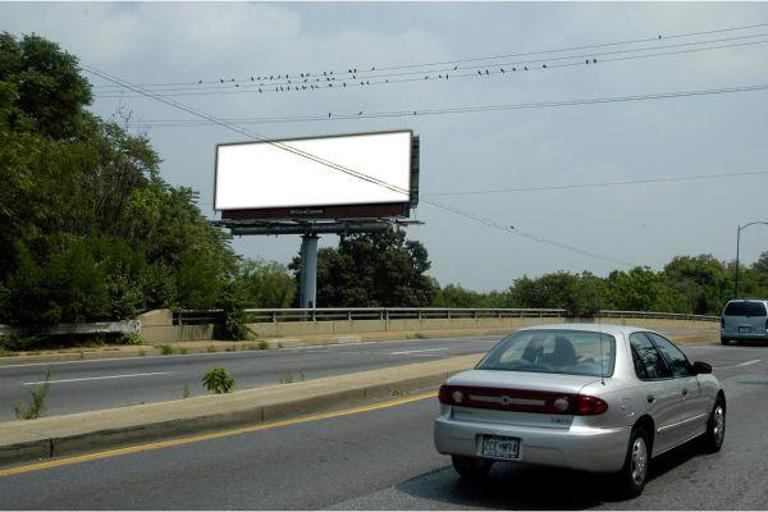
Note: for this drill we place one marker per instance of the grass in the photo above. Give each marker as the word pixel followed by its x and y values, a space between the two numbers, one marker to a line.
pixel 419 336
pixel 291 377
pixel 210 349
pixel 6 353
pixel 142 352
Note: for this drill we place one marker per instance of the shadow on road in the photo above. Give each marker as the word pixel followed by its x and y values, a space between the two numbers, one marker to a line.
pixel 518 486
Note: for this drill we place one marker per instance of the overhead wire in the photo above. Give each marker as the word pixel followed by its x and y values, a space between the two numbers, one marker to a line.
pixel 420 112
pixel 456 62
pixel 491 69
pixel 572 186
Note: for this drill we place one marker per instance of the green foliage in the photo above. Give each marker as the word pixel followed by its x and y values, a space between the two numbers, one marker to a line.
pixel 15 342
pixel 88 229
pixel 233 327
pixel 166 350
pixel 219 381
pixel 373 270
pixel 687 284
pixel 265 284
pixel 35 408
pixel 130 339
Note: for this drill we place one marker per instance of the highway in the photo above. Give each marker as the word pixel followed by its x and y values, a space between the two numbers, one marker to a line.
pixel 87 385
pixel 384 459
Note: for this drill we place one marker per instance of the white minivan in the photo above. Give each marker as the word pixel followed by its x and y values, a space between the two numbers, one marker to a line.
pixel 744 320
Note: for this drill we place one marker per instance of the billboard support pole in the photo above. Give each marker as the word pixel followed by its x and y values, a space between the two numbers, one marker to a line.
pixel 308 277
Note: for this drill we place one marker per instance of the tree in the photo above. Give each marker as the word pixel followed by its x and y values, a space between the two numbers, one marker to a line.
pixel 88 229
pixel 373 270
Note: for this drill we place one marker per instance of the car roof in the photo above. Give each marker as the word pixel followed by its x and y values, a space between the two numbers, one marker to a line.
pixel 612 329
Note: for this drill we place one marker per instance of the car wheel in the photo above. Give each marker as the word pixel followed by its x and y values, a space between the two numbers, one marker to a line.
pixel 713 438
pixel 724 341
pixel 633 475
pixel 471 468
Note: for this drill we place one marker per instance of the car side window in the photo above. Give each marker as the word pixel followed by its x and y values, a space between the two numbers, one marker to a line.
pixel 673 356
pixel 649 364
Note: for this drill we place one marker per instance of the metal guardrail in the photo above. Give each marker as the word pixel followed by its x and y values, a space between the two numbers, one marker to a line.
pixel 657 315
pixel 191 317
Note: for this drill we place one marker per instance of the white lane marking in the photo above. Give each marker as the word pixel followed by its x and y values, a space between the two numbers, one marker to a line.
pixel 246 353
pixel 105 377
pixel 408 352
pixel 745 363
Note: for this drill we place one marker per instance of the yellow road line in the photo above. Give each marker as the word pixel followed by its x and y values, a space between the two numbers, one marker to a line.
pixel 17 470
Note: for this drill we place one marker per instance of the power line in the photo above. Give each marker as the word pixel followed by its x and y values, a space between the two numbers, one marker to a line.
pixel 356 174
pixel 458 62
pixel 603 184
pixel 490 69
pixel 416 112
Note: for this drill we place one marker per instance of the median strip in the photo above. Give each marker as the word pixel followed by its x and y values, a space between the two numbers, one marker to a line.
pixel 97 430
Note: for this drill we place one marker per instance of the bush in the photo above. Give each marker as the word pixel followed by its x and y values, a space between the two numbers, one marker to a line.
pixel 219 381
pixel 16 343
pixel 130 339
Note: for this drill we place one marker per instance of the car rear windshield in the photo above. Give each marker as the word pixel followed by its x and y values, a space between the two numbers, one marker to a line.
pixel 747 308
pixel 553 351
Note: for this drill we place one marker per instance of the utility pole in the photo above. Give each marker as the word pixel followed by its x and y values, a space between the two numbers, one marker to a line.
pixel 738 243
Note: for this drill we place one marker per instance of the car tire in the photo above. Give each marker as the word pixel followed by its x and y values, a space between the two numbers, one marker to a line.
pixel 724 341
pixel 713 438
pixel 632 477
pixel 471 468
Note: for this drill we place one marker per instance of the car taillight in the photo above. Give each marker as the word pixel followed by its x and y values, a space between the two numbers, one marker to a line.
pixel 590 406
pixel 521 400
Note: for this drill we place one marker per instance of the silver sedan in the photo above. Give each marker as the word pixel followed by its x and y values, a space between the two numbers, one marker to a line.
pixel 599 398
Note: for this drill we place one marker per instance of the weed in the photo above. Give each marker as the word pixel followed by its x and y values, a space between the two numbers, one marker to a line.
pixel 142 353
pixel 211 348
pixel 419 336
pixel 263 345
pixel 6 353
pixel 219 381
pixel 291 377
pixel 279 344
pixel 36 406
pixel 166 350
pixel 82 354
pixel 185 393
pixel 183 350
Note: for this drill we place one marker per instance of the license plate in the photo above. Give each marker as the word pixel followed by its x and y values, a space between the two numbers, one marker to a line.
pixel 498 447
pixel 745 329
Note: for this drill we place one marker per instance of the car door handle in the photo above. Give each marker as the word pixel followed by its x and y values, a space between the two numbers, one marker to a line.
pixel 650 399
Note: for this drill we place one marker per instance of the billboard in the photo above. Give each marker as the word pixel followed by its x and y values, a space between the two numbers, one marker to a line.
pixel 284 179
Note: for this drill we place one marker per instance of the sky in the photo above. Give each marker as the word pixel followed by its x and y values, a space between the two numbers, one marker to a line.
pixel 641 224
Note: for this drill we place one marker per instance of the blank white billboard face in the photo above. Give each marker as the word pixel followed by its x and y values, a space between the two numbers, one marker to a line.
pixel 260 175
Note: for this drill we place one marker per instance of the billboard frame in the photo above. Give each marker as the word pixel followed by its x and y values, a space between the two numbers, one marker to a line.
pixel 389 210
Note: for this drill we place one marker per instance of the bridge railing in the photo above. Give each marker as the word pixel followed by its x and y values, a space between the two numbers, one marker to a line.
pixel 260 315
pixel 657 315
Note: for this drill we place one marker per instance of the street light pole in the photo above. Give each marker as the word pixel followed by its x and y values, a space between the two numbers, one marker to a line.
pixel 738 243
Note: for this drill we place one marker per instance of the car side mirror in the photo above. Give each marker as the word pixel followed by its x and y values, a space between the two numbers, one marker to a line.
pixel 700 368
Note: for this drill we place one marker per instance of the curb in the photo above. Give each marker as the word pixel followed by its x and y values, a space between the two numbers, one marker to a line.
pixel 22 441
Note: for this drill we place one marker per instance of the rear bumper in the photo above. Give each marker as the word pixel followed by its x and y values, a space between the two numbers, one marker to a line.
pixel 582 448
pixel 746 336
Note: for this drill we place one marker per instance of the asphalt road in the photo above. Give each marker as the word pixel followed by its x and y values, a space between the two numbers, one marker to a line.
pixel 384 459
pixel 87 385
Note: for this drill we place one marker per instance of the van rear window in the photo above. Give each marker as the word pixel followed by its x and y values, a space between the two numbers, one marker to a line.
pixel 745 309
